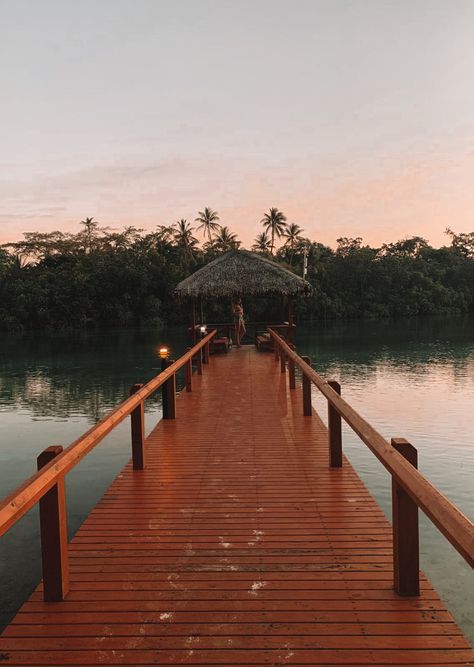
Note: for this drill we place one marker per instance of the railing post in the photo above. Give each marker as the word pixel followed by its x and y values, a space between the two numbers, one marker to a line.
pixel 199 361
pixel 205 350
pixel 306 383
pixel 189 373
pixel 164 393
pixel 276 347
pixel 282 361
pixel 291 370
pixel 169 396
pixel 334 430
pixel 137 421
pixel 406 551
pixel 53 528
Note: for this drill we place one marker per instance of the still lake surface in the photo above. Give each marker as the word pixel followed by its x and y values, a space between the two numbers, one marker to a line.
pixel 411 378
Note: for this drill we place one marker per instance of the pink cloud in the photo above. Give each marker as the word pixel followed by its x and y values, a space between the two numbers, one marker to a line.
pixel 382 201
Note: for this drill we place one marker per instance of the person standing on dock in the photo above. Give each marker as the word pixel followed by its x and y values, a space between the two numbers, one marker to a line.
pixel 239 323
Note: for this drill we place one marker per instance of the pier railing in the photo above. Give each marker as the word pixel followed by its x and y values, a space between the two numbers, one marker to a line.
pixel 47 485
pixel 252 327
pixel 410 489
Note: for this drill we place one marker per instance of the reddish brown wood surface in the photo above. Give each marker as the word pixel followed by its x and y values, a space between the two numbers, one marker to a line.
pixel 237 545
pixel 454 525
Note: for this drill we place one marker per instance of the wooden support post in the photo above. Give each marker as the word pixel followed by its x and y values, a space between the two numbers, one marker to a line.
pixel 306 382
pixel 199 361
pixel 189 373
pixel 276 347
pixel 205 350
pixel 164 393
pixel 193 321
pixel 290 319
pixel 169 405
pixel 291 370
pixel 334 430
pixel 406 550
pixel 137 420
pixel 282 361
pixel 53 528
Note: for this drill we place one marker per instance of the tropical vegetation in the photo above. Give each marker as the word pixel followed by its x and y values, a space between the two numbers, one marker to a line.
pixel 102 277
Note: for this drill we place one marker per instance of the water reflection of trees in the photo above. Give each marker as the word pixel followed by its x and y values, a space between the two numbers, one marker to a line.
pixel 414 347
pixel 60 397
pixel 87 375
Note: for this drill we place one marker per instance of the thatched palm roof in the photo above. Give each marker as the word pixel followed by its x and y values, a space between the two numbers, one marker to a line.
pixel 240 273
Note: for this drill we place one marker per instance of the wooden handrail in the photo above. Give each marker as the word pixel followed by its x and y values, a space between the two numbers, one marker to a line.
pixel 262 323
pixel 23 498
pixel 452 523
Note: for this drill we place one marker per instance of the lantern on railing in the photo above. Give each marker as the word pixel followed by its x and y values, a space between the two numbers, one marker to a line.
pixel 164 353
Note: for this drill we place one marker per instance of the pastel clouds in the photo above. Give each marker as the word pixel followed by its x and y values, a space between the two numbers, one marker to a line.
pixel 381 201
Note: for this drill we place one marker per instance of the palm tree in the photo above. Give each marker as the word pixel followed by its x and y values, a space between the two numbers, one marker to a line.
pixel 91 227
pixel 262 243
pixel 226 240
pixel 276 222
pixel 208 219
pixel 292 233
pixel 184 239
pixel 164 233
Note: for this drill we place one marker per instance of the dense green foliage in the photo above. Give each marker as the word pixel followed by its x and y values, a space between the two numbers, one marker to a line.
pixel 102 278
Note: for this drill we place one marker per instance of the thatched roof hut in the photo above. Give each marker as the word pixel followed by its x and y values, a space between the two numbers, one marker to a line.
pixel 241 273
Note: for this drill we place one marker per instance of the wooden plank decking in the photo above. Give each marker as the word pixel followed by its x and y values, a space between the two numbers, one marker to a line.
pixel 236 545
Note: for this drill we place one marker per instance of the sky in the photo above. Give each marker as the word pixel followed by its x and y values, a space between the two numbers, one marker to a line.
pixel 354 117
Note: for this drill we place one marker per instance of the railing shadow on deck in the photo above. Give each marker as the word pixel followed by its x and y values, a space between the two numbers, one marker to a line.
pixel 410 489
pixel 47 485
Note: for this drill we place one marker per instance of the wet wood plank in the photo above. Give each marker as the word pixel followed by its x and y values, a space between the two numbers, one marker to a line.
pixel 236 545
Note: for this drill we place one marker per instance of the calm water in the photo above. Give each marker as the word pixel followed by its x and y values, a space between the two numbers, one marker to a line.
pixel 414 379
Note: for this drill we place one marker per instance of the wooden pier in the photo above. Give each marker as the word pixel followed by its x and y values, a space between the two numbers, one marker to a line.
pixel 236 544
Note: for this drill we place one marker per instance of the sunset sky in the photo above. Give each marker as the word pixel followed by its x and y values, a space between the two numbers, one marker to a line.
pixel 355 117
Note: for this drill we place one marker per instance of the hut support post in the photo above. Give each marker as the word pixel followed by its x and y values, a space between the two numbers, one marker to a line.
pixel 193 321
pixel 290 320
pixel 306 382
pixel 283 313
pixel 53 528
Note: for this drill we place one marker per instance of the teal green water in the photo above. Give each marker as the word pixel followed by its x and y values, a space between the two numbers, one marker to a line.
pixel 413 379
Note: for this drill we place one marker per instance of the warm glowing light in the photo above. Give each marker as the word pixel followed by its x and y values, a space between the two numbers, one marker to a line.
pixel 164 352
pixel 203 329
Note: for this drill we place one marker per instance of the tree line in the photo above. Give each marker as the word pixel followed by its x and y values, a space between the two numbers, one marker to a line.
pixel 101 277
